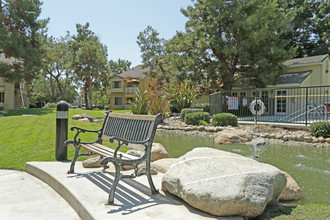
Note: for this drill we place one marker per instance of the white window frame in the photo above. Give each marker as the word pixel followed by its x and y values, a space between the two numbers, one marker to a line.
pixel 286 102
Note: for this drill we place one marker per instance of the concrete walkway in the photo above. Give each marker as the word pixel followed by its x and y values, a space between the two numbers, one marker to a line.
pixel 82 195
pixel 23 196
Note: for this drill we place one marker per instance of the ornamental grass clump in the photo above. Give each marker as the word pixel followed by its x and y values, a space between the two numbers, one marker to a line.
pixel 224 119
pixel 195 118
pixel 139 104
pixel 180 95
pixel 320 129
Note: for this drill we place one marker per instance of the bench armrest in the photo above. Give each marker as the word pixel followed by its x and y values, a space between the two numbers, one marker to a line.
pixel 77 140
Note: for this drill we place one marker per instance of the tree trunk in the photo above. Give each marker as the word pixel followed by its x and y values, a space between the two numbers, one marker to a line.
pixel 86 99
pixel 90 96
pixel 52 88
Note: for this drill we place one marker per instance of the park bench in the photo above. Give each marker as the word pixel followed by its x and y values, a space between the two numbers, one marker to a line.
pixel 125 129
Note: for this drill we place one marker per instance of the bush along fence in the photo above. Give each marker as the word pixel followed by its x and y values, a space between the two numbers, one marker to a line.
pixel 303 105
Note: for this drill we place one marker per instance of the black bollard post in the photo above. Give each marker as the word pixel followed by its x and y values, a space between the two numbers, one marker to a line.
pixel 61 130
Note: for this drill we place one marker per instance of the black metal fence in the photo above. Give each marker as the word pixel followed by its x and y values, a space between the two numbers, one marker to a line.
pixel 301 105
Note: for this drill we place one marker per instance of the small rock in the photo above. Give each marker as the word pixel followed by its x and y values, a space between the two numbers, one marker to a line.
pixel 77 117
pixel 90 118
pixel 308 139
pixel 142 169
pixel 321 139
pixel 292 190
pixel 93 162
pixel 162 165
pixel 84 119
pixel 286 137
pixel 327 140
pixel 315 140
pixel 279 136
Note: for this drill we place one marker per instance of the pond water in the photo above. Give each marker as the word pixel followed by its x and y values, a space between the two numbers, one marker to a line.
pixel 309 166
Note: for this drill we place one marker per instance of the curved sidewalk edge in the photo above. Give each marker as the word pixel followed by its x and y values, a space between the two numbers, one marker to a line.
pixel 87 192
pixel 36 169
pixel 23 196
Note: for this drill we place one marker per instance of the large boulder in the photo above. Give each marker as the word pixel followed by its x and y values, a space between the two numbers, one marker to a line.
pixel 292 190
pixel 232 136
pixel 223 183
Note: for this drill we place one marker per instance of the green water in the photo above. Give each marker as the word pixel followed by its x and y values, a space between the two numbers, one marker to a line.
pixel 309 166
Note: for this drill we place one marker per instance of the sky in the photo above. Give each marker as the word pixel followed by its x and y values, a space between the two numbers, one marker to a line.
pixel 117 22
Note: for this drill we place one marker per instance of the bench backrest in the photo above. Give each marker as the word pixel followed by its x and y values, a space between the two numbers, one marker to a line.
pixel 130 128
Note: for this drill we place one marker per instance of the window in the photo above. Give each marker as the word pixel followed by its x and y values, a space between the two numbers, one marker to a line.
pixel 2 97
pixel 281 101
pixel 117 84
pixel 118 101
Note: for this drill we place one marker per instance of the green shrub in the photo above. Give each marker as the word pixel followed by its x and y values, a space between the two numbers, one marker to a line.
pixel 320 129
pixel 50 105
pixel 188 110
pixel 205 106
pixel 202 122
pixel 195 118
pixel 224 119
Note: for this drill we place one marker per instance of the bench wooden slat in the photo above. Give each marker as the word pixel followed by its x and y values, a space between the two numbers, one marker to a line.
pixel 105 151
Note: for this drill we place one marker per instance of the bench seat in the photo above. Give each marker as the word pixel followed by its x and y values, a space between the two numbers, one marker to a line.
pixel 124 129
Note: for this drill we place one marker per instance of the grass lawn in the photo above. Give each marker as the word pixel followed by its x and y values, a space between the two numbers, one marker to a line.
pixel 29 135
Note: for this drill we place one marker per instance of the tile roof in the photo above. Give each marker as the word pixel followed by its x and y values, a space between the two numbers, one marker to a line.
pixel 306 60
pixel 136 72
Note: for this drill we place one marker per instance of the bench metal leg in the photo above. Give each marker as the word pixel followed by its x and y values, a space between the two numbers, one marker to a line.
pixel 76 155
pixel 114 185
pixel 148 173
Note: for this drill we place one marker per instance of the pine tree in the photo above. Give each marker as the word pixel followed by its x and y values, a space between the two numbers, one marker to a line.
pixel 20 34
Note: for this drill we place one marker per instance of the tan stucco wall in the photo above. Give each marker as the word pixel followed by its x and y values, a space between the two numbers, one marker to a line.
pixel 9 96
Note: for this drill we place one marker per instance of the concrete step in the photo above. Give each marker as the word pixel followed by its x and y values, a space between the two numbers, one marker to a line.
pixel 87 192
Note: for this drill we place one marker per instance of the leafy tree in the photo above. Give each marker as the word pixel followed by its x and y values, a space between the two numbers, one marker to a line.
pixel 20 32
pixel 153 54
pixel 89 60
pixel 57 61
pixel 119 66
pixel 40 92
pixel 310 26
pixel 224 38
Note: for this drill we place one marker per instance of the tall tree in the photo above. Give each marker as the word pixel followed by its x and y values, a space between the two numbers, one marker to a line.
pixel 56 64
pixel 226 38
pixel 89 60
pixel 153 52
pixel 310 28
pixel 20 32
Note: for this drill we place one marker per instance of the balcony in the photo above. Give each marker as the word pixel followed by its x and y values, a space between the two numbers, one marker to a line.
pixel 109 91
pixel 131 90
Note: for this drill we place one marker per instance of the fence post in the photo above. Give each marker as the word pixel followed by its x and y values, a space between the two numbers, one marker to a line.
pixel 306 117
pixel 61 130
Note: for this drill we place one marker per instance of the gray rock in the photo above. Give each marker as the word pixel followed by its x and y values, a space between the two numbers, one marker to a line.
pixel 93 162
pixel 158 151
pixel 84 119
pixel 223 183
pixel 77 117
pixel 257 141
pixel 90 118
pixel 164 164
pixel 232 136
pixel 292 190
